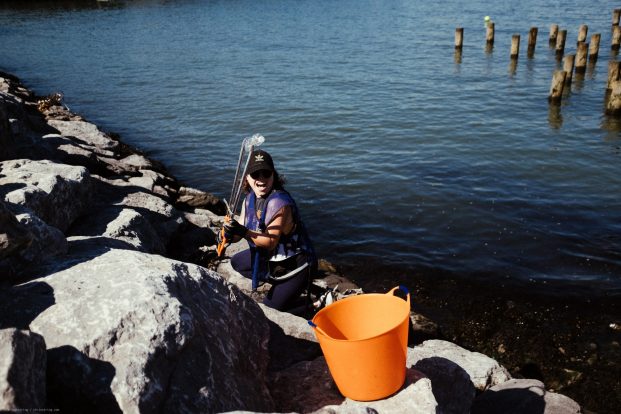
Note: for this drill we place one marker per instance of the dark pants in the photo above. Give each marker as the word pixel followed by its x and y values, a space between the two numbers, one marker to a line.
pixel 282 295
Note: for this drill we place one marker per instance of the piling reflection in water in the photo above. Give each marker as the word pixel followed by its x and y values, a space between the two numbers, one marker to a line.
pixel 555 117
pixel 457 56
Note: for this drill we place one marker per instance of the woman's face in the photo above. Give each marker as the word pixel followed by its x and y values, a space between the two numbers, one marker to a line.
pixel 261 182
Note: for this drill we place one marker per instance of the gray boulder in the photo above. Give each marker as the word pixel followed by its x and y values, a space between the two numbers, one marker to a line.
pixel 134 332
pixel 22 370
pixel 57 193
pixel 86 132
pixel 189 241
pixel 194 198
pixel 483 371
pixel 131 227
pixel 67 151
pixel 455 373
pixel 138 162
pixel 164 218
pixel 308 387
pixel 13 235
pixel 291 339
pixel 47 243
pixel 416 398
pixel 225 269
pixel 37 243
pixel 155 182
pixel 523 396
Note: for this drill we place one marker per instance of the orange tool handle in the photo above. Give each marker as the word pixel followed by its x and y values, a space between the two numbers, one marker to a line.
pixel 223 240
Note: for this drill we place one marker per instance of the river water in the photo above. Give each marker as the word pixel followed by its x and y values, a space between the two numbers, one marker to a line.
pixel 399 152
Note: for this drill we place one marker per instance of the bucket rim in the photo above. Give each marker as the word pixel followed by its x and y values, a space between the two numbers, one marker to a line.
pixel 357 297
pixel 319 331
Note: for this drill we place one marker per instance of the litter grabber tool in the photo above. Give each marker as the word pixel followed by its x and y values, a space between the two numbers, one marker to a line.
pixel 247 146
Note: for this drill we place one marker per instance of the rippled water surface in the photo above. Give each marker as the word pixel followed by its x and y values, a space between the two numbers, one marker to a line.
pixel 398 150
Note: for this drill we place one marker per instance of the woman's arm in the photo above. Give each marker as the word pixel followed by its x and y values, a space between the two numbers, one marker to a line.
pixel 282 223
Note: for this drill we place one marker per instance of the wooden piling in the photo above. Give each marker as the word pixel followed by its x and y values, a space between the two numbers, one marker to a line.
pixel 568 67
pixel 558 84
pixel 616 37
pixel 616 15
pixel 459 37
pixel 532 41
pixel 594 48
pixel 560 42
pixel 582 33
pixel 614 68
pixel 581 57
pixel 613 104
pixel 553 34
pixel 515 46
pixel 489 34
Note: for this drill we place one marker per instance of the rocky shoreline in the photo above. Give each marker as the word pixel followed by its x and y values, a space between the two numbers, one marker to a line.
pixel 111 300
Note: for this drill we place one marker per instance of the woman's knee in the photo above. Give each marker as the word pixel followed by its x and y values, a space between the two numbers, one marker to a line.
pixel 242 263
pixel 283 296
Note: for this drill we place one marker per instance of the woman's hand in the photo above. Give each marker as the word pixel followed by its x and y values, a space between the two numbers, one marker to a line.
pixel 227 236
pixel 233 228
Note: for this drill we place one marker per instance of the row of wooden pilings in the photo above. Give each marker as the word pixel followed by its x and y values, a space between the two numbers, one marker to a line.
pixel 571 63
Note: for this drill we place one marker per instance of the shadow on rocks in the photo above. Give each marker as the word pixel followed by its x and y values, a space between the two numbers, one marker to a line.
pixel 280 347
pixel 509 401
pixel 7 188
pixel 451 384
pixel 107 207
pixel 79 384
pixel 20 305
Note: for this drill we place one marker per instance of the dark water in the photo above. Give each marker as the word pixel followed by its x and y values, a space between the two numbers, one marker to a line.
pixel 399 152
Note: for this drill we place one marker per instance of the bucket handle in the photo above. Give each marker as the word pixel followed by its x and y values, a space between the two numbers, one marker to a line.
pixel 403 289
pixel 321 331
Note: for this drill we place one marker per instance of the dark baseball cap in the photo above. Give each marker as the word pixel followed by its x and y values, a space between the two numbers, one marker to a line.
pixel 260 160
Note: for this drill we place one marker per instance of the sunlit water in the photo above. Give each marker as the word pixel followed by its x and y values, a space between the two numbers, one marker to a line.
pixel 398 151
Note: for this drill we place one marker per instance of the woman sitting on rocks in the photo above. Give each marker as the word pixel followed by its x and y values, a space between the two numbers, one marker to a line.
pixel 280 250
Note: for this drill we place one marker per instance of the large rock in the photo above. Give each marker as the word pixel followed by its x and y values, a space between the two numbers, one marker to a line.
pixel 455 373
pixel 57 193
pixel 22 370
pixel 308 387
pixel 190 239
pixel 131 227
pixel 416 398
pixel 37 243
pixel 134 332
pixel 163 216
pixel 13 235
pixel 66 151
pixel 25 123
pixel 483 371
pixel 155 182
pixel 291 339
pixel 192 197
pixel 523 396
pixel 86 132
pixel 225 269
pixel 47 243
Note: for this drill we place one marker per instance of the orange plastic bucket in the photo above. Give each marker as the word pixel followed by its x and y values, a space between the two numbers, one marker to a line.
pixel 364 340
